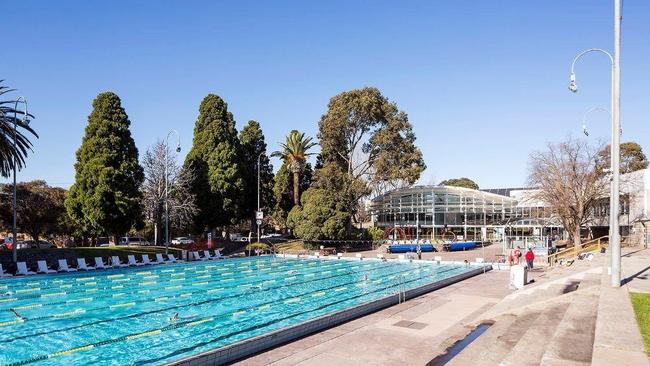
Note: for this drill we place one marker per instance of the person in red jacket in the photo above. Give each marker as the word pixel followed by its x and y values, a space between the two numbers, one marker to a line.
pixel 530 257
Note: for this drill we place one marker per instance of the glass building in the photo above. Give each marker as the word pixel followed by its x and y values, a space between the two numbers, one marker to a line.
pixel 456 213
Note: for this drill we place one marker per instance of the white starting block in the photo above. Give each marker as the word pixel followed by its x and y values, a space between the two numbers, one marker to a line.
pixel 437 258
pixel 359 255
pixel 480 260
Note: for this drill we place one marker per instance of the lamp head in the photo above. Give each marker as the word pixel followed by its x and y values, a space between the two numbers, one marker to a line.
pixel 178 148
pixel 584 130
pixel 572 83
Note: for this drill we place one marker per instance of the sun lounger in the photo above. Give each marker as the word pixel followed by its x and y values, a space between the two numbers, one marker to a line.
pixel 81 264
pixel 171 258
pixel 115 262
pixel 99 263
pixel 21 269
pixel 197 257
pixel 3 273
pixel 63 266
pixel 133 262
pixel 206 254
pixel 160 259
pixel 146 260
pixel 42 267
pixel 218 255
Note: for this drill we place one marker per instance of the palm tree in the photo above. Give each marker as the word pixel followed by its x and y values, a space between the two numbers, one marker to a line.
pixel 294 153
pixel 8 153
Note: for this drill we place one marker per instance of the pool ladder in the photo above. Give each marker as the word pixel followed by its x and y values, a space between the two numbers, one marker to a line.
pixel 401 291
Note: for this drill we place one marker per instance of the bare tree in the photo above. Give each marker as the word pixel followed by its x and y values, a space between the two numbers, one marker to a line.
pixel 568 182
pixel 181 202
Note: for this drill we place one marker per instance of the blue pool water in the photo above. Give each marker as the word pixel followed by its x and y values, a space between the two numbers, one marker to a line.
pixel 120 317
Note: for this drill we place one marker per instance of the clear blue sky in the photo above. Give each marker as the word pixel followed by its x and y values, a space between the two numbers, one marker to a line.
pixel 484 82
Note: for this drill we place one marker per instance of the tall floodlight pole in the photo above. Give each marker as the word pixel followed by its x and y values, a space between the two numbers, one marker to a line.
pixel 616 110
pixel 615 241
pixel 258 195
pixel 14 250
pixel 178 149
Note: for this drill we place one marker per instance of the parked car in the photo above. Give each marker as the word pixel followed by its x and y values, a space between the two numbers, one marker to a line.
pixel 133 240
pixel 182 240
pixel 43 244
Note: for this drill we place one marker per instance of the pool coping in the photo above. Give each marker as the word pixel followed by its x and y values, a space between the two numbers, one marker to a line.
pixel 250 346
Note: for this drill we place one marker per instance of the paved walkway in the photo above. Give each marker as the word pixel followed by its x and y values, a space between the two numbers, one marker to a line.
pixel 568 316
pixel 409 333
pixel 617 339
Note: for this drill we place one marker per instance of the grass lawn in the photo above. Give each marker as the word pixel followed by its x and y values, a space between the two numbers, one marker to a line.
pixel 291 247
pixel 641 303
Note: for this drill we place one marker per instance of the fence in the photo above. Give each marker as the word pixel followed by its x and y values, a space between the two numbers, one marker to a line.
pixel 589 246
pixel 345 245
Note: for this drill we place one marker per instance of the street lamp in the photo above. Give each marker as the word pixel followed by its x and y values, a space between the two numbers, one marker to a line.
pixel 258 196
pixel 615 242
pixel 584 117
pixel 178 149
pixel 23 123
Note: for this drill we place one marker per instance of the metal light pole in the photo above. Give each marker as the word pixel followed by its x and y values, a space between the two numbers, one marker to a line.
pixel 616 110
pixel 25 121
pixel 615 242
pixel 258 195
pixel 178 149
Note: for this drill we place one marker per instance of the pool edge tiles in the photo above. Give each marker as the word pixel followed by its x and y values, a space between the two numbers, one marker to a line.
pixel 250 346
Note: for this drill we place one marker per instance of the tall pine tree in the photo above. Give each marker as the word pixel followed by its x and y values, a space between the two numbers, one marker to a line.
pixel 218 180
pixel 253 146
pixel 105 198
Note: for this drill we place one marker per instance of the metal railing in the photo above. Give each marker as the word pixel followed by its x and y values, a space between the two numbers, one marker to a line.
pixel 588 246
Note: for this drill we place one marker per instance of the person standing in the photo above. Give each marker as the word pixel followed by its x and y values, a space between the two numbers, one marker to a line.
pixel 517 255
pixel 530 257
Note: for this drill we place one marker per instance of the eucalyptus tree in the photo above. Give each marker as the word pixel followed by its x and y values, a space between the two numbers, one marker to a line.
pixel 367 145
pixel 632 157
pixel 460 182
pixel 294 153
pixel 40 208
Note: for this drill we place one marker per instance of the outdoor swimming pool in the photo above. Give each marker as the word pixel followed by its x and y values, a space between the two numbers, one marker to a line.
pixel 119 317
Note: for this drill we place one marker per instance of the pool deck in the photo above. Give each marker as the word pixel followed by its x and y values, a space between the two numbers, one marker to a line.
pixel 425 322
pixel 417 331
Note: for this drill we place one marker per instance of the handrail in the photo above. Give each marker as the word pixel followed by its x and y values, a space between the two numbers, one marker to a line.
pixel 574 251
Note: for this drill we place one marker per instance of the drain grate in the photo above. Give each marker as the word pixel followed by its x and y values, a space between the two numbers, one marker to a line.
pixel 410 324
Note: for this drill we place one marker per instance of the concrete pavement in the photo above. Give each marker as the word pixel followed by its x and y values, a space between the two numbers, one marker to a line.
pixel 409 333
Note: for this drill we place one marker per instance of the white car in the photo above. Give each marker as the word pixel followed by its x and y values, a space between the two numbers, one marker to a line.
pixel 182 240
pixel 133 240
